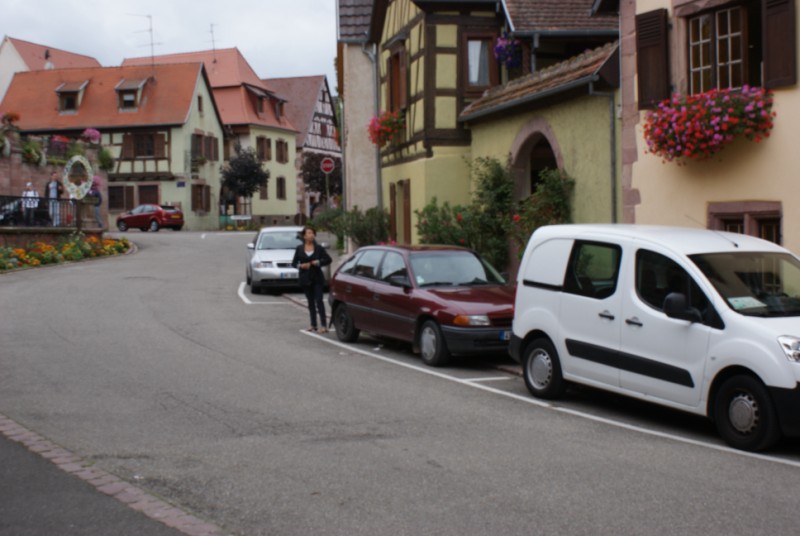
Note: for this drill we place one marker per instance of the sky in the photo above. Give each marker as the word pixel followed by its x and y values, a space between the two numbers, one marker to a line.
pixel 278 38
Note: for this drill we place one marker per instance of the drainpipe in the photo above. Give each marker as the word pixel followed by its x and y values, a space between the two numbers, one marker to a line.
pixel 612 127
pixel 371 53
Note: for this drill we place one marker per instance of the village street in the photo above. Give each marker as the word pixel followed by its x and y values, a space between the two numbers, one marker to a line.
pixel 160 368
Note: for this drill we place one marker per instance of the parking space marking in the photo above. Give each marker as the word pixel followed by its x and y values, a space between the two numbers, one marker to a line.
pixel 248 301
pixel 560 409
pixel 490 379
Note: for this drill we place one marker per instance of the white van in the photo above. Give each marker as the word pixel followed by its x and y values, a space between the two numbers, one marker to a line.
pixel 698 320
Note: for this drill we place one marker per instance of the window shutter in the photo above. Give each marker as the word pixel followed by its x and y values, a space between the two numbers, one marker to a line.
pixel 652 57
pixel 268 143
pixel 780 43
pixel 207 147
pixel 402 83
pixel 197 197
pixel 127 146
pixel 159 145
pixel 129 198
pixel 215 147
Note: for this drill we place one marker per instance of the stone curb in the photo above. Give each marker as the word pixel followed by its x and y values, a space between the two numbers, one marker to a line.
pixel 126 493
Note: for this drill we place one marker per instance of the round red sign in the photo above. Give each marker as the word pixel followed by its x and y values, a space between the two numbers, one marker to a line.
pixel 327 164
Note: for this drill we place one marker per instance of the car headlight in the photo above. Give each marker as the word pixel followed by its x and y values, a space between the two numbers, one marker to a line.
pixel 264 264
pixel 471 320
pixel 791 347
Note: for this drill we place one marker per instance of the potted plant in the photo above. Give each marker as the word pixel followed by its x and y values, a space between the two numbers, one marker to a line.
pixel 386 127
pixel 508 51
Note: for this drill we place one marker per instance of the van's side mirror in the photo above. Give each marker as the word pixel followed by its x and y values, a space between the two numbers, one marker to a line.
pixel 251 246
pixel 675 306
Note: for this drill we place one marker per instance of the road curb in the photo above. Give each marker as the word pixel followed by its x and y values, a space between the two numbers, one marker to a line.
pixel 109 484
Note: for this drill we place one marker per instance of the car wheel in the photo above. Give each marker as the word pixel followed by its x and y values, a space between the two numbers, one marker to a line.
pixel 154 226
pixel 542 370
pixel 249 279
pixel 745 415
pixel 346 330
pixel 143 229
pixel 122 226
pixel 432 347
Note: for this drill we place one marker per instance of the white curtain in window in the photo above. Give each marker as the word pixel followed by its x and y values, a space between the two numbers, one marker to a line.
pixel 478 54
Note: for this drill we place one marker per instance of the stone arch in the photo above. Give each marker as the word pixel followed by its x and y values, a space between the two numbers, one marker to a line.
pixel 535 147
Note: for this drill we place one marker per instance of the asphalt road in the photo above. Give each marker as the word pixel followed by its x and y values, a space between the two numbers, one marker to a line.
pixel 161 369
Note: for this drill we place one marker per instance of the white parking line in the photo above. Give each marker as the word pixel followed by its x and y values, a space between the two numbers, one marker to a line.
pixel 560 409
pixel 248 301
pixel 490 379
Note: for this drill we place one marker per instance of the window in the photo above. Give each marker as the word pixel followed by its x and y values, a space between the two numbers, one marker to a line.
pixel 201 198
pixel 197 145
pixel 480 65
pixel 754 218
pixel 393 265
pixel 367 265
pixel 397 78
pixel 200 104
pixel 263 191
pixel 144 145
pixel 657 276
pixel 127 100
pixel 282 151
pixel 593 269
pixel 280 186
pixel 148 193
pixel 349 265
pixel 718 49
pixel 263 148
pixel 260 104
pixel 120 197
pixel 68 102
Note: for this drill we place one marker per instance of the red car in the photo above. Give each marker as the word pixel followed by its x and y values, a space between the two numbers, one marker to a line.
pixel 445 300
pixel 151 218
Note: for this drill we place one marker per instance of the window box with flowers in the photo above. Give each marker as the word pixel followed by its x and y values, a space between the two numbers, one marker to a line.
pixel 696 127
pixel 386 127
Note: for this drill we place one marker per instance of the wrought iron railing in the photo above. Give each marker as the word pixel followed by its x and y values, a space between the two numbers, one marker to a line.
pixel 38 212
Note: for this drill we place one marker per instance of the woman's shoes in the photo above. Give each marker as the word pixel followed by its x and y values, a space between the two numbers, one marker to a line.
pixel 312 328
pixel 323 330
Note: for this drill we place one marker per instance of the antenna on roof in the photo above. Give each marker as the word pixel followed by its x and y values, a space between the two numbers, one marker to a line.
pixel 150 31
pixel 213 43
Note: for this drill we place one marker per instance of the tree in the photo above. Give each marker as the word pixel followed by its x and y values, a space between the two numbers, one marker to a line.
pixel 244 176
pixel 314 178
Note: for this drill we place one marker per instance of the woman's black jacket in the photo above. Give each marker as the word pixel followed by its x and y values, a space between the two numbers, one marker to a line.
pixel 314 274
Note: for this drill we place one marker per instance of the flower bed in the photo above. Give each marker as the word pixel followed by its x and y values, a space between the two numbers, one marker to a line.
pixel 74 248
pixel 696 127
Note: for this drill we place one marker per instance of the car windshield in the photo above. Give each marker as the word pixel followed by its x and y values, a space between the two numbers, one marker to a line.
pixel 452 267
pixel 753 283
pixel 279 240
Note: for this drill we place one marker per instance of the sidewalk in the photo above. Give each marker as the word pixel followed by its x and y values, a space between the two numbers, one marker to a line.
pixel 48 490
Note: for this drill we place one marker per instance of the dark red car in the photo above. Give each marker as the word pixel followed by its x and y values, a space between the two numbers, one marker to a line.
pixel 443 299
pixel 150 217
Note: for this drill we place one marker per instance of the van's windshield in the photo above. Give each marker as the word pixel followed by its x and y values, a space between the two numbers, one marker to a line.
pixel 753 283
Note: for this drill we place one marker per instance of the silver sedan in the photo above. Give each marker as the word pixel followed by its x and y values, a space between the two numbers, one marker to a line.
pixel 269 258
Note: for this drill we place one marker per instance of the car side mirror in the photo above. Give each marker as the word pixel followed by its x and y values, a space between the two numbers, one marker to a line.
pixel 251 246
pixel 675 306
pixel 399 281
pixel 325 245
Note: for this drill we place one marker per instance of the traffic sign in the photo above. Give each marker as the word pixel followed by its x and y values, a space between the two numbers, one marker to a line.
pixel 327 164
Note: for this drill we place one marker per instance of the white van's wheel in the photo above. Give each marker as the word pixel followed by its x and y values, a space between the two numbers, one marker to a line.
pixel 744 414
pixel 542 370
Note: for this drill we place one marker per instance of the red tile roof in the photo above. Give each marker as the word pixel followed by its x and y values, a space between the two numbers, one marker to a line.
pixel 304 91
pixel 34 56
pixel 166 98
pixel 559 78
pixel 530 16
pixel 230 75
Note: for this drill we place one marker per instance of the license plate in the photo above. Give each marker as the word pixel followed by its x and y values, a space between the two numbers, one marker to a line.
pixel 285 275
pixel 175 217
pixel 505 335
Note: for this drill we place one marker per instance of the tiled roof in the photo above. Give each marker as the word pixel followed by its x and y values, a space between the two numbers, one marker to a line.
pixel 230 76
pixel 556 79
pixel 354 20
pixel 225 67
pixel 304 91
pixel 166 99
pixel 529 16
pixel 34 56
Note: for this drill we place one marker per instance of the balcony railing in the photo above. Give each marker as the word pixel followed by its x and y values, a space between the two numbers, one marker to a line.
pixel 38 212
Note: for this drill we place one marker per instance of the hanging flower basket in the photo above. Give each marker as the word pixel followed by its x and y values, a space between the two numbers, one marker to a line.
pixel 696 127
pixel 386 127
pixel 508 51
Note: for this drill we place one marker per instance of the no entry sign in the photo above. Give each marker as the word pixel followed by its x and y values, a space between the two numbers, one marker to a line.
pixel 327 164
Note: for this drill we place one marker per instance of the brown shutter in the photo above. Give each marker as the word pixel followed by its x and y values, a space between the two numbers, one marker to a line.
pixel 197 197
pixel 159 145
pixel 393 211
pixel 780 43
pixel 652 57
pixel 207 198
pixel 406 211
pixel 127 146
pixel 226 150
pixel 268 153
pixel 402 83
pixel 129 204
pixel 215 147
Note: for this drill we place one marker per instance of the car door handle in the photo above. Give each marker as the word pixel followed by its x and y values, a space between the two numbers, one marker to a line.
pixel 606 315
pixel 376 297
pixel 348 288
pixel 634 322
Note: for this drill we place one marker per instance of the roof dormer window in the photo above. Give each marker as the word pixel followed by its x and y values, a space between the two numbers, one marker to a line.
pixel 129 94
pixel 70 95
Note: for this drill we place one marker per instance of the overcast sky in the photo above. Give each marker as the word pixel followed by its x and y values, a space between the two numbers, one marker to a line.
pixel 278 38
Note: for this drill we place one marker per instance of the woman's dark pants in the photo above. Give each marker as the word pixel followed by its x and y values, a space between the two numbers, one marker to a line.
pixel 316 303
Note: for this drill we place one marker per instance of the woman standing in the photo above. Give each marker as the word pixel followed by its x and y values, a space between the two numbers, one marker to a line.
pixel 309 258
